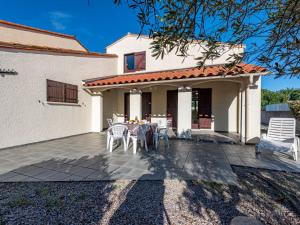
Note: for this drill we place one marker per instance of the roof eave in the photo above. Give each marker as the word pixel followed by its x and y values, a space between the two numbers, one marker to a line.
pixel 21 26
pixel 31 48
pixel 178 80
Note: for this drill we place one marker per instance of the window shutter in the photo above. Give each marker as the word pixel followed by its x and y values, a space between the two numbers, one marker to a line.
pixel 55 91
pixel 61 92
pixel 125 64
pixel 71 93
pixel 140 60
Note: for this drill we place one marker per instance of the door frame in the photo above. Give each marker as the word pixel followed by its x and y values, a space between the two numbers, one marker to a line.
pixel 144 97
pixel 173 112
pixel 203 121
pixel 126 106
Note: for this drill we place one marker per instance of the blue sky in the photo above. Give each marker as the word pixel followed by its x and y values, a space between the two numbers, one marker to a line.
pixel 95 25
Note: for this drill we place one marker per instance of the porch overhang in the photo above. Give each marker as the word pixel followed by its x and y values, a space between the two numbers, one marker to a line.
pixel 174 76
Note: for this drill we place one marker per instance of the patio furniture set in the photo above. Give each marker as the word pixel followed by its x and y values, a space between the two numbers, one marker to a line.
pixel 137 132
pixel 281 136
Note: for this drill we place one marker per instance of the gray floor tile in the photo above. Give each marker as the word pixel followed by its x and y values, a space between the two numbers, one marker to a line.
pixel 85 156
pixel 99 175
pixel 235 160
pixel 75 178
pixel 18 178
pixel 31 171
pixel 137 174
pixel 59 167
pixel 59 177
pixel 104 169
pixel 30 179
pixel 251 162
pixel 79 171
pixel 45 174
pixel 120 173
pixel 7 175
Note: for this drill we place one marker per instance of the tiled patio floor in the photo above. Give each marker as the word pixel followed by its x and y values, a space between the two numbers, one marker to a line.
pixel 85 157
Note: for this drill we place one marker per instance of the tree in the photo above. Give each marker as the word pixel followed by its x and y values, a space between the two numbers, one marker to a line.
pixel 295 107
pixel 281 96
pixel 270 28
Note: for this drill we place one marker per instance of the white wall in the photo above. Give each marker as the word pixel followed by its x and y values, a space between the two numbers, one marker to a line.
pixel 130 44
pixel 225 105
pixel 26 37
pixel 25 117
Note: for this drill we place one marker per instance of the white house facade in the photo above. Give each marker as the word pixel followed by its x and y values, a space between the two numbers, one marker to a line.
pixel 51 87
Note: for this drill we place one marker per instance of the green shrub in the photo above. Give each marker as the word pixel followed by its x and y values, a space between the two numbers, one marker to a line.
pixel 295 107
pixel 20 202
pixel 54 202
pixel 44 191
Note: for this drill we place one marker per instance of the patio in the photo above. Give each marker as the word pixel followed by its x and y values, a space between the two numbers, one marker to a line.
pixel 84 157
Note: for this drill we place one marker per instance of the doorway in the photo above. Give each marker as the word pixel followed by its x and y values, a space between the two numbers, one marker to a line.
pixel 146 105
pixel 126 106
pixel 201 108
pixel 172 106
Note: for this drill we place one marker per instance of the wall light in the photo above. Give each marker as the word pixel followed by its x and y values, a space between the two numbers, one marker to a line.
pixel 8 72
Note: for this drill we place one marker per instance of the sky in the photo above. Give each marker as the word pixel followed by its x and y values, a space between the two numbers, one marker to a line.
pixel 96 23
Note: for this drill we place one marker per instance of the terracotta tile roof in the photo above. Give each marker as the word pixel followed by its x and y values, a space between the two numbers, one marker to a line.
pixel 28 28
pixel 194 72
pixel 36 29
pixel 7 45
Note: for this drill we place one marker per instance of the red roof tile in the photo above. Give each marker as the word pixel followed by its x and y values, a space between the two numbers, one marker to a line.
pixel 36 29
pixel 53 50
pixel 194 72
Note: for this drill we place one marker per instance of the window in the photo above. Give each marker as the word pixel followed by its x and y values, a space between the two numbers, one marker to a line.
pixel 134 62
pixel 61 92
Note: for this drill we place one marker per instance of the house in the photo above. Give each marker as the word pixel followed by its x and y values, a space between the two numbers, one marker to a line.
pixel 51 86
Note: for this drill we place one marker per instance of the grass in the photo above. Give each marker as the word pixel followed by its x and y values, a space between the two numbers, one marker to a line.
pixel 210 184
pixel 44 191
pixel 20 202
pixel 2 221
pixel 117 186
pixel 54 202
pixel 82 196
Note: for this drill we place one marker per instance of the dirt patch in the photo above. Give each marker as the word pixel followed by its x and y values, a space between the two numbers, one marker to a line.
pixel 272 197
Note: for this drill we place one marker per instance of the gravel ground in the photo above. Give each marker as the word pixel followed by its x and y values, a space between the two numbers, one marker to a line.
pixel 271 197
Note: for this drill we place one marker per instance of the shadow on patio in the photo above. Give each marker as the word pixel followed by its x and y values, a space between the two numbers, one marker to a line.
pixel 43 202
pixel 160 187
pixel 147 199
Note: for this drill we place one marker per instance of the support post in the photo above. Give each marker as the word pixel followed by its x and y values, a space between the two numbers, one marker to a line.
pixel 184 120
pixel 242 114
pixel 253 110
pixel 135 104
pixel 97 113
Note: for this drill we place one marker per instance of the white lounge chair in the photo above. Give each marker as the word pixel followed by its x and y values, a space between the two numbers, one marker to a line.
pixel 281 137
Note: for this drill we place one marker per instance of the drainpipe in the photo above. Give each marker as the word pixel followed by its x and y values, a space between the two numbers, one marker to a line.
pixel 243 114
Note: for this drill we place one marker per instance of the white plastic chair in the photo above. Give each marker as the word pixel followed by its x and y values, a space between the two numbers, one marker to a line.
pixel 281 137
pixel 109 122
pixel 138 135
pixel 161 132
pixel 116 132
